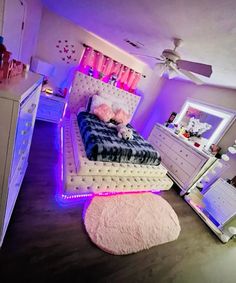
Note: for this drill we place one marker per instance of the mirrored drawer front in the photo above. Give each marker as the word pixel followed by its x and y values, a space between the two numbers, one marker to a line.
pixel 50 110
pixel 185 166
pixel 13 191
pixel 176 172
pixel 160 135
pixel 24 130
pixel 186 153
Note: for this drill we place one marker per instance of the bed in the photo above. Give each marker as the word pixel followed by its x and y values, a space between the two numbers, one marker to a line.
pixel 82 176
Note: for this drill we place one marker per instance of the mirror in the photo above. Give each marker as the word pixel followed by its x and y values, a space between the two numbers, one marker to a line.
pixel 210 121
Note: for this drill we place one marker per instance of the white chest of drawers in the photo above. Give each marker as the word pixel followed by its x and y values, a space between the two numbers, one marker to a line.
pixel 183 162
pixel 19 98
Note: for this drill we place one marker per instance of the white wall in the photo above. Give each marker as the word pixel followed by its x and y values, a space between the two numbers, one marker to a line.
pixel 54 28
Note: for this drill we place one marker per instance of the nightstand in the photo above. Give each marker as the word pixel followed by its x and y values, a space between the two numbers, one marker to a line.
pixel 51 108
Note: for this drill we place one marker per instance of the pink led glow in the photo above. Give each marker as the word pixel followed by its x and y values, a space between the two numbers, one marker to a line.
pixel 87 195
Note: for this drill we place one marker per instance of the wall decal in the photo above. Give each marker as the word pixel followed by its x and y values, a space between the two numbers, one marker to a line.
pixel 67 51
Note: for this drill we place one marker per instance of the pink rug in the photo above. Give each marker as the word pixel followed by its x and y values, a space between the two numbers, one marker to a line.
pixel 128 223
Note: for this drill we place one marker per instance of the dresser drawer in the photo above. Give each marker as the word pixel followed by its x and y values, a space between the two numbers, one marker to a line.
pixel 160 135
pixel 13 190
pixel 187 154
pixel 176 172
pixel 50 109
pixel 182 163
pixel 25 128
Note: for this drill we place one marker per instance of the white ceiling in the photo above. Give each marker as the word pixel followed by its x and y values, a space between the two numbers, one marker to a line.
pixel 207 27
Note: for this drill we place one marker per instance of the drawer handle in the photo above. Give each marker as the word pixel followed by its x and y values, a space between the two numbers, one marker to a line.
pixel 21 152
pixel 23 132
pixel 25 141
pixel 28 124
pixel 31 110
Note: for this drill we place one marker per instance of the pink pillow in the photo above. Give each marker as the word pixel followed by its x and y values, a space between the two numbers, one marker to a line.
pixel 121 117
pixel 103 112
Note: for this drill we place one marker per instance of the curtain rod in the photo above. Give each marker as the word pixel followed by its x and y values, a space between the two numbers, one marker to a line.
pixel 85 45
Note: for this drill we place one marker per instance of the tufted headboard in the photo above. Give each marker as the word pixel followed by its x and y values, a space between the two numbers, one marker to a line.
pixel 84 86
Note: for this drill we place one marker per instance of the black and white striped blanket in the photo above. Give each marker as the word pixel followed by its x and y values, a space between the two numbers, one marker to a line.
pixel 102 143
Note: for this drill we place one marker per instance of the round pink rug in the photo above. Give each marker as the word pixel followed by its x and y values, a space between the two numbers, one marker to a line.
pixel 128 223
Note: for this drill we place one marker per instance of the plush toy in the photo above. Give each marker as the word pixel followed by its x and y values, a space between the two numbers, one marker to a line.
pixel 123 132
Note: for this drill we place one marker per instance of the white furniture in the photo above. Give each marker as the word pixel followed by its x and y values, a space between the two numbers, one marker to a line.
pixel 217 208
pixel 185 162
pixel 18 106
pixel 81 176
pixel 51 108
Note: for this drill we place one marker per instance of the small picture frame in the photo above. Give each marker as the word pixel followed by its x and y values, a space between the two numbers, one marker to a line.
pixel 170 119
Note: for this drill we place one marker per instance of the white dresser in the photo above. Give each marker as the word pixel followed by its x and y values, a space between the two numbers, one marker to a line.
pixel 184 162
pixel 51 108
pixel 19 98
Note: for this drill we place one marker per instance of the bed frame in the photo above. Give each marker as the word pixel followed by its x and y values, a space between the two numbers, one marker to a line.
pixel 83 177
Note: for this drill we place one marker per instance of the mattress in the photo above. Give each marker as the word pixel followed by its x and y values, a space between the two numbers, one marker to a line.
pixel 103 144
pixel 83 176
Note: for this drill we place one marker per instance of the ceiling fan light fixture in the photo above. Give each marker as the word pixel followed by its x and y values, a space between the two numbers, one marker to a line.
pixel 171 74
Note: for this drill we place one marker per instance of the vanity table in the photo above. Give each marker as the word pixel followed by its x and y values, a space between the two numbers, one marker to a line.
pixel 185 162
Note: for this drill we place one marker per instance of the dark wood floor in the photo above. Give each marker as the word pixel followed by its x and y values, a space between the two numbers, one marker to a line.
pixel 46 241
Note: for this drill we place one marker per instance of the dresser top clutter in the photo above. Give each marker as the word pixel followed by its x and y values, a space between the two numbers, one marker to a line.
pixel 17 88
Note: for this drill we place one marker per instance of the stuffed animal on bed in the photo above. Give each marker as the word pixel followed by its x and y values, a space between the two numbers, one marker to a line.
pixel 123 132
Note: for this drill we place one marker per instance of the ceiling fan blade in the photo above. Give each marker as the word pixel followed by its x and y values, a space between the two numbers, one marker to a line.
pixel 192 77
pixel 198 68
pixel 143 55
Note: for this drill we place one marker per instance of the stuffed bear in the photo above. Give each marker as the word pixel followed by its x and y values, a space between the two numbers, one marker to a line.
pixel 123 132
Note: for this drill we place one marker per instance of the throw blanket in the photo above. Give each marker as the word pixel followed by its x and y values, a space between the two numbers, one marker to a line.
pixel 102 143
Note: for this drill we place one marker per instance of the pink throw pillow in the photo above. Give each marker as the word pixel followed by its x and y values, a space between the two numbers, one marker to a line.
pixel 103 112
pixel 121 117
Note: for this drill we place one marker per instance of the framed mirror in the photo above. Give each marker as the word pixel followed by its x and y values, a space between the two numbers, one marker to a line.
pixel 216 119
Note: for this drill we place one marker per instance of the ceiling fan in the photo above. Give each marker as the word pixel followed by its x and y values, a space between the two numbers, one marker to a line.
pixel 171 62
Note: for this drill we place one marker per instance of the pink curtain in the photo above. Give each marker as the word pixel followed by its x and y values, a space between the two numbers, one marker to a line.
pixel 135 82
pixel 123 77
pixel 86 59
pixel 98 65
pixel 106 69
pixel 130 79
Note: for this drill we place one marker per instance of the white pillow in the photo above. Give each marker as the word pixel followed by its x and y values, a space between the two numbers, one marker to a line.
pixel 97 101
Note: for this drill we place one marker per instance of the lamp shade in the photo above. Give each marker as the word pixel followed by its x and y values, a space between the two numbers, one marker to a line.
pixel 41 67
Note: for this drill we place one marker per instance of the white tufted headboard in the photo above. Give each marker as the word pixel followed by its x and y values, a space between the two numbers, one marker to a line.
pixel 84 86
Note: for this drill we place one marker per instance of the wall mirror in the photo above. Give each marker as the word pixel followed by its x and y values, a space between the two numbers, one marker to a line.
pixel 218 118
